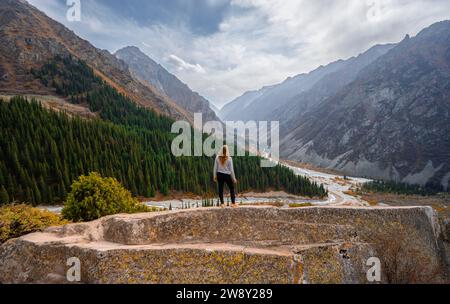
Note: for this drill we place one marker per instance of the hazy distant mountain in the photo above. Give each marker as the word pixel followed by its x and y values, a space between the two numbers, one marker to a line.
pixel 215 109
pixel 259 105
pixel 147 70
pixel 271 102
pixel 234 108
pixel 29 39
pixel 392 121
pixel 326 87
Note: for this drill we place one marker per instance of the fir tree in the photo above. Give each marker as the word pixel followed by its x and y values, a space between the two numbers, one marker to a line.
pixel 4 197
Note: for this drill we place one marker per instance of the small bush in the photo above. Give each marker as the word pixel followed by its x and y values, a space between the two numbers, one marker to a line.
pixel 93 197
pixel 373 203
pixel 19 220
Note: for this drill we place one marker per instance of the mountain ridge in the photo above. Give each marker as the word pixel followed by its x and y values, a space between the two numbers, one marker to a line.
pixel 149 71
pixel 29 39
pixel 271 98
pixel 383 114
pixel 391 121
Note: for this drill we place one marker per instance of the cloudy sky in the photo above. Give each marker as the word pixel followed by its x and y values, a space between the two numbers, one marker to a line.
pixel 222 48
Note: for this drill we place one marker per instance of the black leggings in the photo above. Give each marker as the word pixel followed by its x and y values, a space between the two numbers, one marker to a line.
pixel 223 179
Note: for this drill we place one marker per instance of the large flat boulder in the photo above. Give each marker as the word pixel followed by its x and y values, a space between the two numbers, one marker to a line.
pixel 243 245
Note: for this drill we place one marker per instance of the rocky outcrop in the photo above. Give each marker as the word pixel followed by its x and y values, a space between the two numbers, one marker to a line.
pixel 243 245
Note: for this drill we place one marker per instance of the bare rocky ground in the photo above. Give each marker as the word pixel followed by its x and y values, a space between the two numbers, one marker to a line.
pixel 234 245
pixel 441 202
pixel 56 104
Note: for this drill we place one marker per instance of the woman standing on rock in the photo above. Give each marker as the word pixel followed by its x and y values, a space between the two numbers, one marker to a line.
pixel 224 174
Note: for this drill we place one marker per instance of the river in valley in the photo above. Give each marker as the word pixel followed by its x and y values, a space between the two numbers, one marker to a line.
pixel 337 186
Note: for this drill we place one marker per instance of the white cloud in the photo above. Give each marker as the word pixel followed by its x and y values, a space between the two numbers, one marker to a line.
pixel 262 44
pixel 185 66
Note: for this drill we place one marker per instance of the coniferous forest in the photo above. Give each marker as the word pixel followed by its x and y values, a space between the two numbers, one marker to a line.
pixel 379 186
pixel 42 151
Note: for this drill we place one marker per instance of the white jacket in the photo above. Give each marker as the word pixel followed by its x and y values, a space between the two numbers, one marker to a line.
pixel 228 168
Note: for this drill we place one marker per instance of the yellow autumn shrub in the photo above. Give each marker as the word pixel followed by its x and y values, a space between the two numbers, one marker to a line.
pixel 19 220
pixel 93 197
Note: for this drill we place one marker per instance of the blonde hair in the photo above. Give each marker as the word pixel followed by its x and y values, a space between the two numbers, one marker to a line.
pixel 224 155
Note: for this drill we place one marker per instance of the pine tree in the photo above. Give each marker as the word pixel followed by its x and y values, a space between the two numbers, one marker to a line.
pixel 4 197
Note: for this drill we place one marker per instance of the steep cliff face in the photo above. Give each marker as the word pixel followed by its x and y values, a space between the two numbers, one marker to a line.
pixel 28 39
pixel 148 71
pixel 391 122
pixel 256 245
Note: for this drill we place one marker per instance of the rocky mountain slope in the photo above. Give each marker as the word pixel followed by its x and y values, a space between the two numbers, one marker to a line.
pixel 29 39
pixel 384 114
pixel 391 122
pixel 148 71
